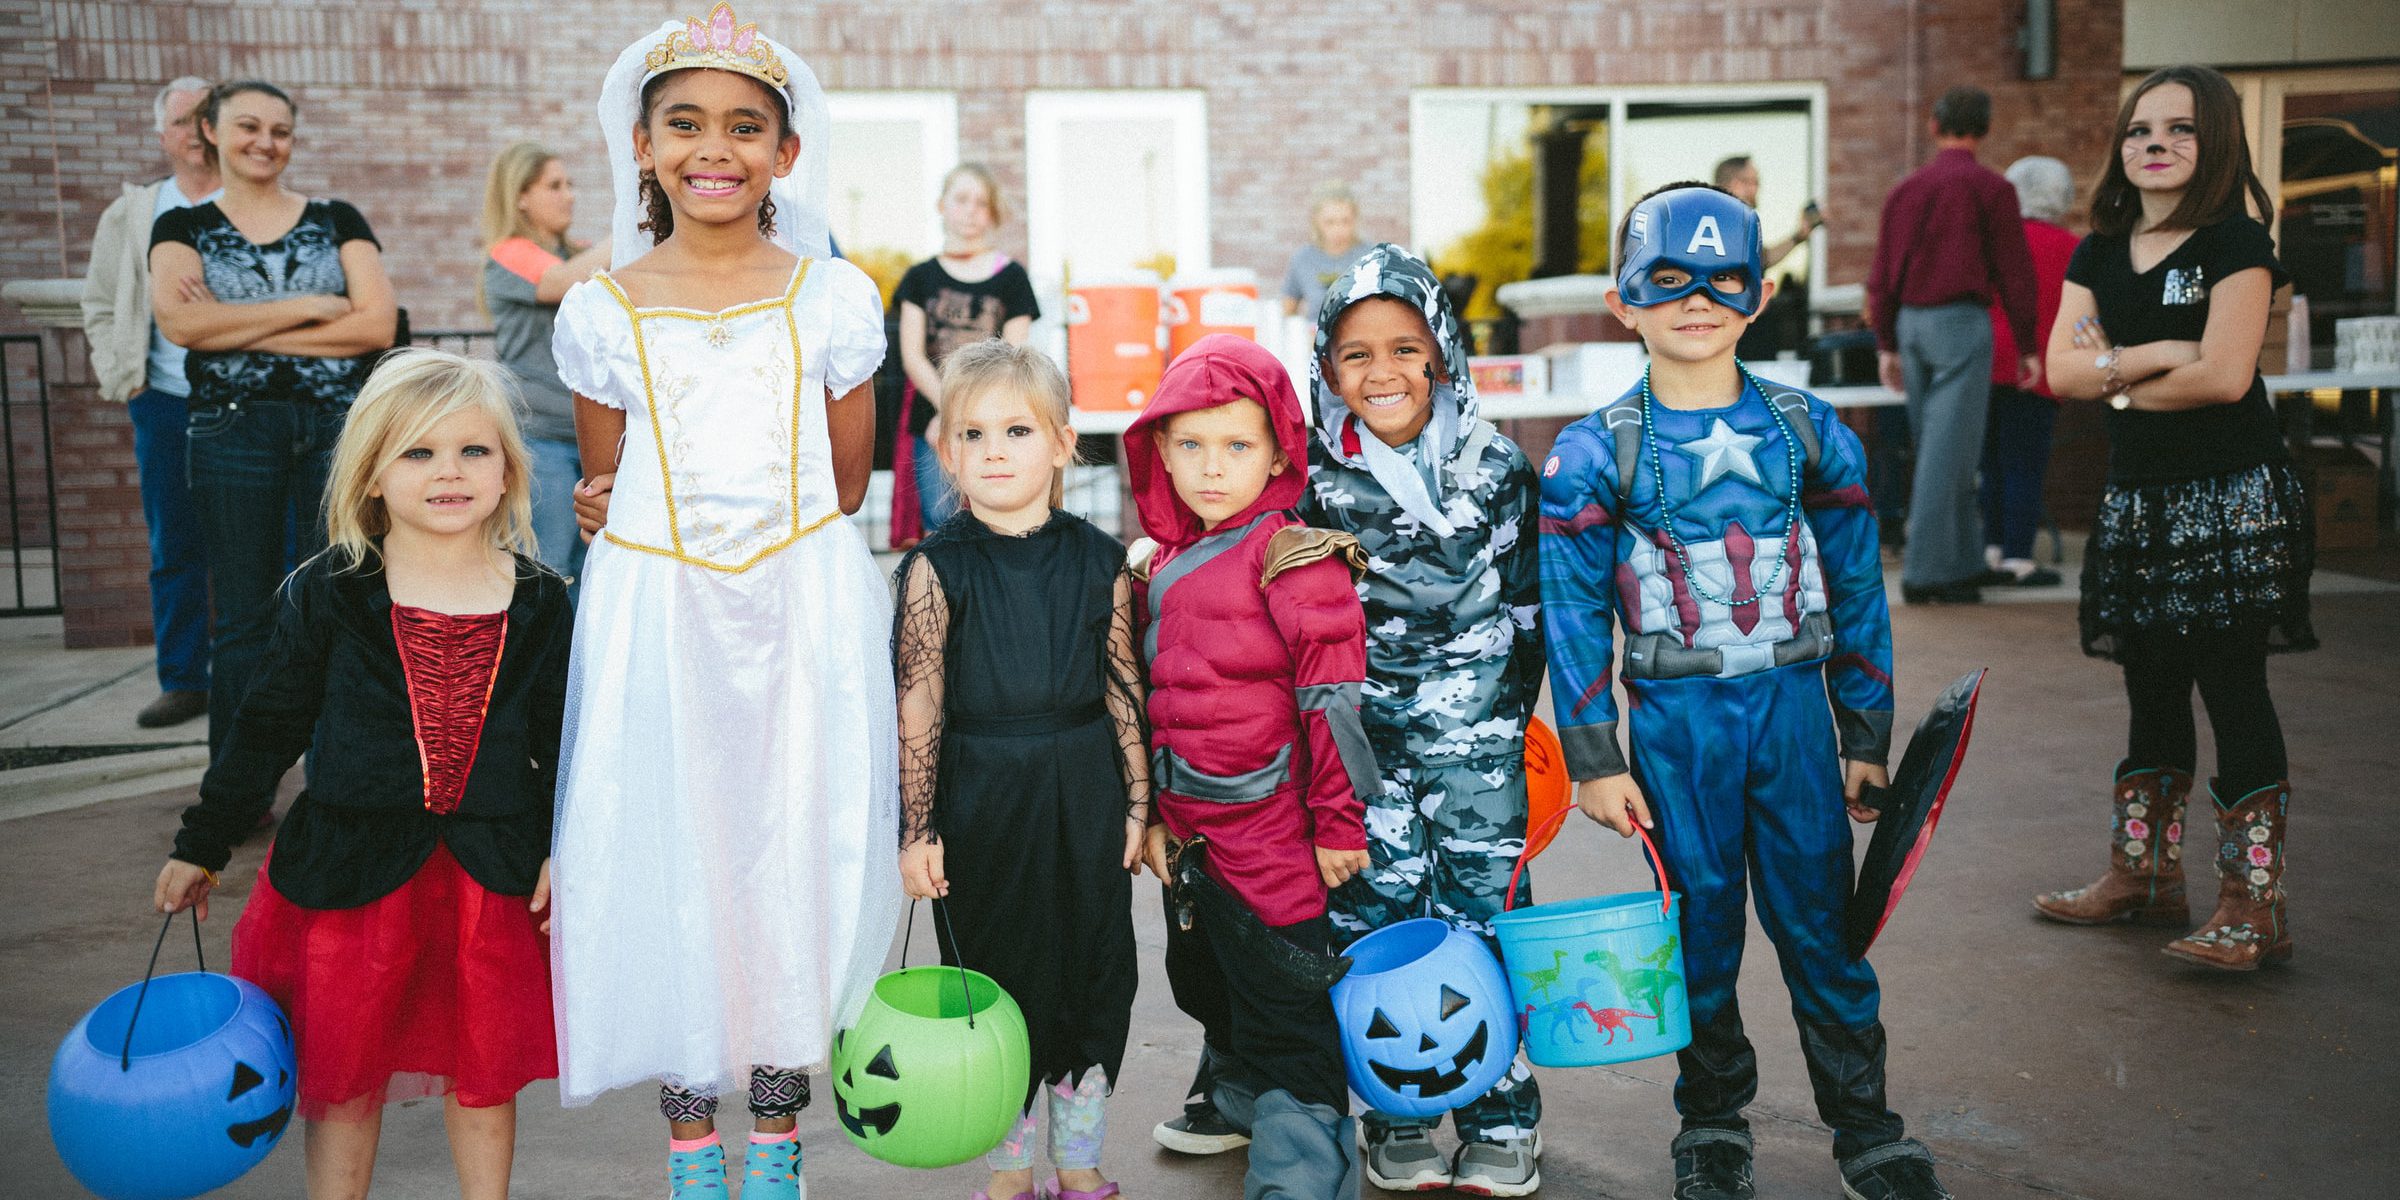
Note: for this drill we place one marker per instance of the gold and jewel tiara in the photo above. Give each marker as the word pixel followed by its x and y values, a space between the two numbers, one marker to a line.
pixel 720 44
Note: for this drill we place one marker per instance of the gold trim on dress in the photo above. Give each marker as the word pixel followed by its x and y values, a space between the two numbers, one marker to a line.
pixel 738 568
pixel 791 323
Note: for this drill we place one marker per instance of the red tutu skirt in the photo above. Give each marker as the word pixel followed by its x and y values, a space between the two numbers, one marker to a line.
pixel 440 988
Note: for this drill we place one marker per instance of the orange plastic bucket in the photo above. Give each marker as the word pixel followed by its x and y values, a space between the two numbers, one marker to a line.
pixel 1113 361
pixel 1200 303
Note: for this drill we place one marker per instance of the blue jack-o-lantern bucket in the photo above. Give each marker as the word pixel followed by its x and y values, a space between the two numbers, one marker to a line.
pixel 1424 1018
pixel 172 1087
pixel 1598 980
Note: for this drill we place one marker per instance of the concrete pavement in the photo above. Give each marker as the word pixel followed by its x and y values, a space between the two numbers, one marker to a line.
pixel 2036 1060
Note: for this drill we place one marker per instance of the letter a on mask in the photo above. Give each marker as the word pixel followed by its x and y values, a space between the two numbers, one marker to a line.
pixel 1706 234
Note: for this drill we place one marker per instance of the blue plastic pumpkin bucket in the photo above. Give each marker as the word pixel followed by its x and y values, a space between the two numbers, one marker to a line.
pixel 1598 980
pixel 1424 1018
pixel 196 1067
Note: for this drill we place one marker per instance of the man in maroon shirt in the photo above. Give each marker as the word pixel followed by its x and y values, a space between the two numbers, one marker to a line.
pixel 1952 244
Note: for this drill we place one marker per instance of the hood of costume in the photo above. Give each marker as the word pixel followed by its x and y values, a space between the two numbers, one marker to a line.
pixel 1217 369
pixel 1453 591
pixel 718 43
pixel 1393 273
pixel 1254 639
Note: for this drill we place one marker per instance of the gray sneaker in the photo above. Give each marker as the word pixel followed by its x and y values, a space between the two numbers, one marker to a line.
pixel 1200 1129
pixel 1498 1168
pixel 1403 1160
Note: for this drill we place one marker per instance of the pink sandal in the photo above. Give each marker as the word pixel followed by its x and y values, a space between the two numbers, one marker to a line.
pixel 1059 1191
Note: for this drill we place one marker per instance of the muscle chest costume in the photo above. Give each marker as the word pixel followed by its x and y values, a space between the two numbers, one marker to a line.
pixel 1255 644
pixel 1254 641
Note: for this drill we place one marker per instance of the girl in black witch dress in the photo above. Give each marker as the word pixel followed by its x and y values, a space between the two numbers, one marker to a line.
pixel 1024 775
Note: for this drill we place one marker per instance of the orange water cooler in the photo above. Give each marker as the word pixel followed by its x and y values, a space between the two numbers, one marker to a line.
pixel 1113 360
pixel 1200 303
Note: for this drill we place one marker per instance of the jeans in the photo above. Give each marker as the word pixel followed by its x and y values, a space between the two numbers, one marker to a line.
pixel 178 563
pixel 257 468
pixel 2016 456
pixel 557 466
pixel 937 501
pixel 1946 361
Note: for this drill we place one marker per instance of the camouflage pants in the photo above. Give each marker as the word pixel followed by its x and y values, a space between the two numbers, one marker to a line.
pixel 1444 838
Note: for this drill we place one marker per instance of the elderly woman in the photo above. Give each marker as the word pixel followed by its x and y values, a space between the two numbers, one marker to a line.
pixel 2016 438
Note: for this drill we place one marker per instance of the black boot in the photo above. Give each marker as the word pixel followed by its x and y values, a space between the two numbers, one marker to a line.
pixel 1845 1068
pixel 1901 1170
pixel 1712 1164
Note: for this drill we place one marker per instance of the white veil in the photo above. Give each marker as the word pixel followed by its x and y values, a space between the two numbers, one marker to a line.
pixel 800 221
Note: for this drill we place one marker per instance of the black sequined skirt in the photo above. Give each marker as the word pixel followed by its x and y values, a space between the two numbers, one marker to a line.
pixel 2230 551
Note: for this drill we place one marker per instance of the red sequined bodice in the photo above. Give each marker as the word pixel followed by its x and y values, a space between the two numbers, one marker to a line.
pixel 450 661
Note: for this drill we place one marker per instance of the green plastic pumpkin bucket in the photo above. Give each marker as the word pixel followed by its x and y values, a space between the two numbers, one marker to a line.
pixel 1597 980
pixel 935 1071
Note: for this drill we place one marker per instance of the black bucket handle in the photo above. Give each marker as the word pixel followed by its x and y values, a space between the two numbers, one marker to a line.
pixel 125 1055
pixel 942 915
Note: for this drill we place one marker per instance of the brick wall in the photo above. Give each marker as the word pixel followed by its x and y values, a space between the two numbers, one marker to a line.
pixel 103 549
pixel 402 104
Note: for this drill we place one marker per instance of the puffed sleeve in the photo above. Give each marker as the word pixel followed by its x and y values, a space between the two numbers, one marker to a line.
pixel 589 332
pixel 854 345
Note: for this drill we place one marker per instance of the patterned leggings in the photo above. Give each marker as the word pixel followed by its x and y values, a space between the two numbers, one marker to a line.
pixel 775 1093
pixel 1078 1121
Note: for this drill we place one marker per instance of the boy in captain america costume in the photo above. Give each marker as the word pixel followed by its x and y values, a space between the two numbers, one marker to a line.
pixel 1724 522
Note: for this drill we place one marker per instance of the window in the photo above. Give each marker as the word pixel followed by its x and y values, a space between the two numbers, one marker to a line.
pixel 2326 143
pixel 1509 184
pixel 890 151
pixel 1116 180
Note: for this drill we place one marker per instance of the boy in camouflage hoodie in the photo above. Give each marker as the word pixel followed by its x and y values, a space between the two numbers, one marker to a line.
pixel 1446 509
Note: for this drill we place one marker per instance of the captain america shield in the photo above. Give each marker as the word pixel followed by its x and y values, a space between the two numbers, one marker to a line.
pixel 1910 807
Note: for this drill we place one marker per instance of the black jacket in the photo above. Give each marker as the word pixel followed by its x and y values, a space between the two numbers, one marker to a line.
pixel 331 685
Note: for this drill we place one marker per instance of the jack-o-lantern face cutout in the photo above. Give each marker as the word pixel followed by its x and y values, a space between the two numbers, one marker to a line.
pixel 245 1080
pixel 1425 1017
pixel 860 1120
pixel 1448 1072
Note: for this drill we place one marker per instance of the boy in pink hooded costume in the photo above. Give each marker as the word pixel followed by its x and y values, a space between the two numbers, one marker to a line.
pixel 1256 646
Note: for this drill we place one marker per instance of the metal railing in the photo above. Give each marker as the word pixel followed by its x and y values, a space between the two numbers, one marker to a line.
pixel 31 585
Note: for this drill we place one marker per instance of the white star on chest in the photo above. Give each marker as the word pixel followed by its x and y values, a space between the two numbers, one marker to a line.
pixel 1723 452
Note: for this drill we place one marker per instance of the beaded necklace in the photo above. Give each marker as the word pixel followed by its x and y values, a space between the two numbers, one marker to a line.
pixel 1666 507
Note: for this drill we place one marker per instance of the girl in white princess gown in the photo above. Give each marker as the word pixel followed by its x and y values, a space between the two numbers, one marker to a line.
pixel 723 876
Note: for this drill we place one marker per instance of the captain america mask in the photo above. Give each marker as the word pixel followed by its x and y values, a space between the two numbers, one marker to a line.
pixel 1707 240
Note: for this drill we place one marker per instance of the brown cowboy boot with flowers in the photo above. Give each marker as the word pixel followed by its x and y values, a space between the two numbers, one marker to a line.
pixel 2144 883
pixel 2248 927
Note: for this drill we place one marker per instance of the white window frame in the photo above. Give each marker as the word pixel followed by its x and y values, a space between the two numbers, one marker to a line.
pixel 936 112
pixel 1619 99
pixel 1046 111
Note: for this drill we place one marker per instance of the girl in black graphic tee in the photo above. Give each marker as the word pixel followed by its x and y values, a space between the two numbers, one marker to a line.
pixel 967 293
pixel 2199 560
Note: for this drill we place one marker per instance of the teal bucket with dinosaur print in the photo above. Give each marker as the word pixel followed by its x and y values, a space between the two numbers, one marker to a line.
pixel 1599 980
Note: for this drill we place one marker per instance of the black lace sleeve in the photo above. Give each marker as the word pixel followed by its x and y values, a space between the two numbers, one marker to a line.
pixel 1128 701
pixel 920 638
